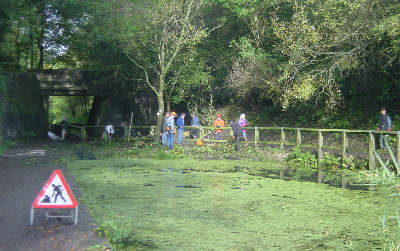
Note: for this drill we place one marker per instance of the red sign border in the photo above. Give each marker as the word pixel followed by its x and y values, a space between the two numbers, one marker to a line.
pixel 74 204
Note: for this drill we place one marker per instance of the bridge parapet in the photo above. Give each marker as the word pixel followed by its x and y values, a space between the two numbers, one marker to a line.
pixel 64 83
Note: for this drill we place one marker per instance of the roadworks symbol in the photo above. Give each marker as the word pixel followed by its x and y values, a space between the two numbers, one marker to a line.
pixel 55 193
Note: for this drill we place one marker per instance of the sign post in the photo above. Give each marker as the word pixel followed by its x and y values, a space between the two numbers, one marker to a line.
pixel 55 194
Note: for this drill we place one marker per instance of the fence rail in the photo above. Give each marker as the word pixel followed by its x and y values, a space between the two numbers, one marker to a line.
pixel 277 136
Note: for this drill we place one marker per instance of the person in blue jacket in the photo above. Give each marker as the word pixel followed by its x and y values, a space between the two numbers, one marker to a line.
pixel 170 127
pixel 180 123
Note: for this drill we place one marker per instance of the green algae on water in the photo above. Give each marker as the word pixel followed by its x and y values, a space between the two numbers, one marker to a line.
pixel 217 205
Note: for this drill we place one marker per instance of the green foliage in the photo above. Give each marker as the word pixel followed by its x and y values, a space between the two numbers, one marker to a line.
pixel 4 145
pixel 117 232
pixel 330 161
pixel 332 168
pixel 83 152
pixel 300 56
pixel 349 163
pixel 305 161
pixel 74 109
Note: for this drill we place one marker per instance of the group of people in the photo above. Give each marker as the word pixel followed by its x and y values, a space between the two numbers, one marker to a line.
pixel 169 127
pixel 238 128
pixel 219 122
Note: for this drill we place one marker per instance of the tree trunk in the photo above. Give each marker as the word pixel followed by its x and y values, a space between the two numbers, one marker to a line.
pixel 160 99
pixel 95 110
pixel 40 41
pixel 32 45
pixel 168 104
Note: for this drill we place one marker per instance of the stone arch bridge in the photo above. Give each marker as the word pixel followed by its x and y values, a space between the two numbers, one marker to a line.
pixel 26 103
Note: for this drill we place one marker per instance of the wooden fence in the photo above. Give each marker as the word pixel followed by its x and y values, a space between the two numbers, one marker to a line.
pixel 282 143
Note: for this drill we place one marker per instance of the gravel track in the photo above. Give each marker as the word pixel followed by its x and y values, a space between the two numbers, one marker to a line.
pixel 24 169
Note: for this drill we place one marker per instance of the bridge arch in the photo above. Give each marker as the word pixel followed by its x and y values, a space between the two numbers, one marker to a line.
pixel 27 101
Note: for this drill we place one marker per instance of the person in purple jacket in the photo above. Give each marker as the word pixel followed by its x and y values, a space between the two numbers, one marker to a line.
pixel 243 124
pixel 180 123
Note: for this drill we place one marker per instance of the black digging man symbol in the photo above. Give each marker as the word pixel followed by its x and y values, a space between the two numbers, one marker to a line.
pixel 57 191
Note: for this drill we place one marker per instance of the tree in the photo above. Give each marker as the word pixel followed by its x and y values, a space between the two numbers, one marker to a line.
pixel 34 33
pixel 299 50
pixel 160 33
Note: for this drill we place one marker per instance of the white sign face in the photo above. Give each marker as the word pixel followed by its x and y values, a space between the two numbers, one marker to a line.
pixel 55 194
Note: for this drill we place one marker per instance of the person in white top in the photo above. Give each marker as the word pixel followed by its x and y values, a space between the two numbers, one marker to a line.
pixel 110 131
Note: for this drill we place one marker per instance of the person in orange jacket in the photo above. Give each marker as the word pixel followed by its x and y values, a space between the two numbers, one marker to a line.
pixel 218 123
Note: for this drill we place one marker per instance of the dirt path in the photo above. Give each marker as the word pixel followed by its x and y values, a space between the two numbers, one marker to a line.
pixel 24 170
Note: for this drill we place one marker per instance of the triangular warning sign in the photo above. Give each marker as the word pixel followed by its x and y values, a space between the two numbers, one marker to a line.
pixel 55 193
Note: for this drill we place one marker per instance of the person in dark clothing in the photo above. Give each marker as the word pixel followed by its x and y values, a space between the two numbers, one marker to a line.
pixel 237 133
pixel 385 124
pixel 64 125
pixel 180 123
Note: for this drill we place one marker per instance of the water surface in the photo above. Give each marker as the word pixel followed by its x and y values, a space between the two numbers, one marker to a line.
pixel 204 205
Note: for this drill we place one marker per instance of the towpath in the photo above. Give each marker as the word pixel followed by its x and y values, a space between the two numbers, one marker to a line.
pixel 24 169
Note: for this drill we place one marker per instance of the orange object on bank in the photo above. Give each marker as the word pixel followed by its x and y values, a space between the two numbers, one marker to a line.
pixel 199 142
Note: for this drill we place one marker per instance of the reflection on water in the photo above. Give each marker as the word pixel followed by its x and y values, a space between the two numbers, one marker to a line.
pixel 181 208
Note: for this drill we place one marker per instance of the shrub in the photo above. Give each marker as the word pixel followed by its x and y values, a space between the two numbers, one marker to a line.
pixel 118 234
pixel 304 161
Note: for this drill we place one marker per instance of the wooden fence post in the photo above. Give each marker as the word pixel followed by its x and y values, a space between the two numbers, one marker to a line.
pixel 344 144
pixel 298 138
pixel 256 136
pixel 283 136
pixel 83 134
pixel 320 144
pixel 371 161
pixel 152 131
pixel 126 133
pixel 201 133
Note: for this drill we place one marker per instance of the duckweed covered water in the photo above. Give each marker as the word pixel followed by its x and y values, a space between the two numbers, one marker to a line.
pixel 204 205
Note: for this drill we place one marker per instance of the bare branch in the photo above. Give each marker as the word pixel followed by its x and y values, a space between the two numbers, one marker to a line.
pixel 145 73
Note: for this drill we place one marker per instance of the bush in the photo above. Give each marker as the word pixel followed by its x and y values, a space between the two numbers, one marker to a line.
pixel 118 234
pixel 304 161
pixel 330 161
pixel 5 145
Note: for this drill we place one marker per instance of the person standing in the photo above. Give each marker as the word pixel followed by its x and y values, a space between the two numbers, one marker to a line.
pixel 194 123
pixel 237 133
pixel 385 124
pixel 218 123
pixel 64 125
pixel 170 130
pixel 164 134
pixel 180 123
pixel 110 131
pixel 243 123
